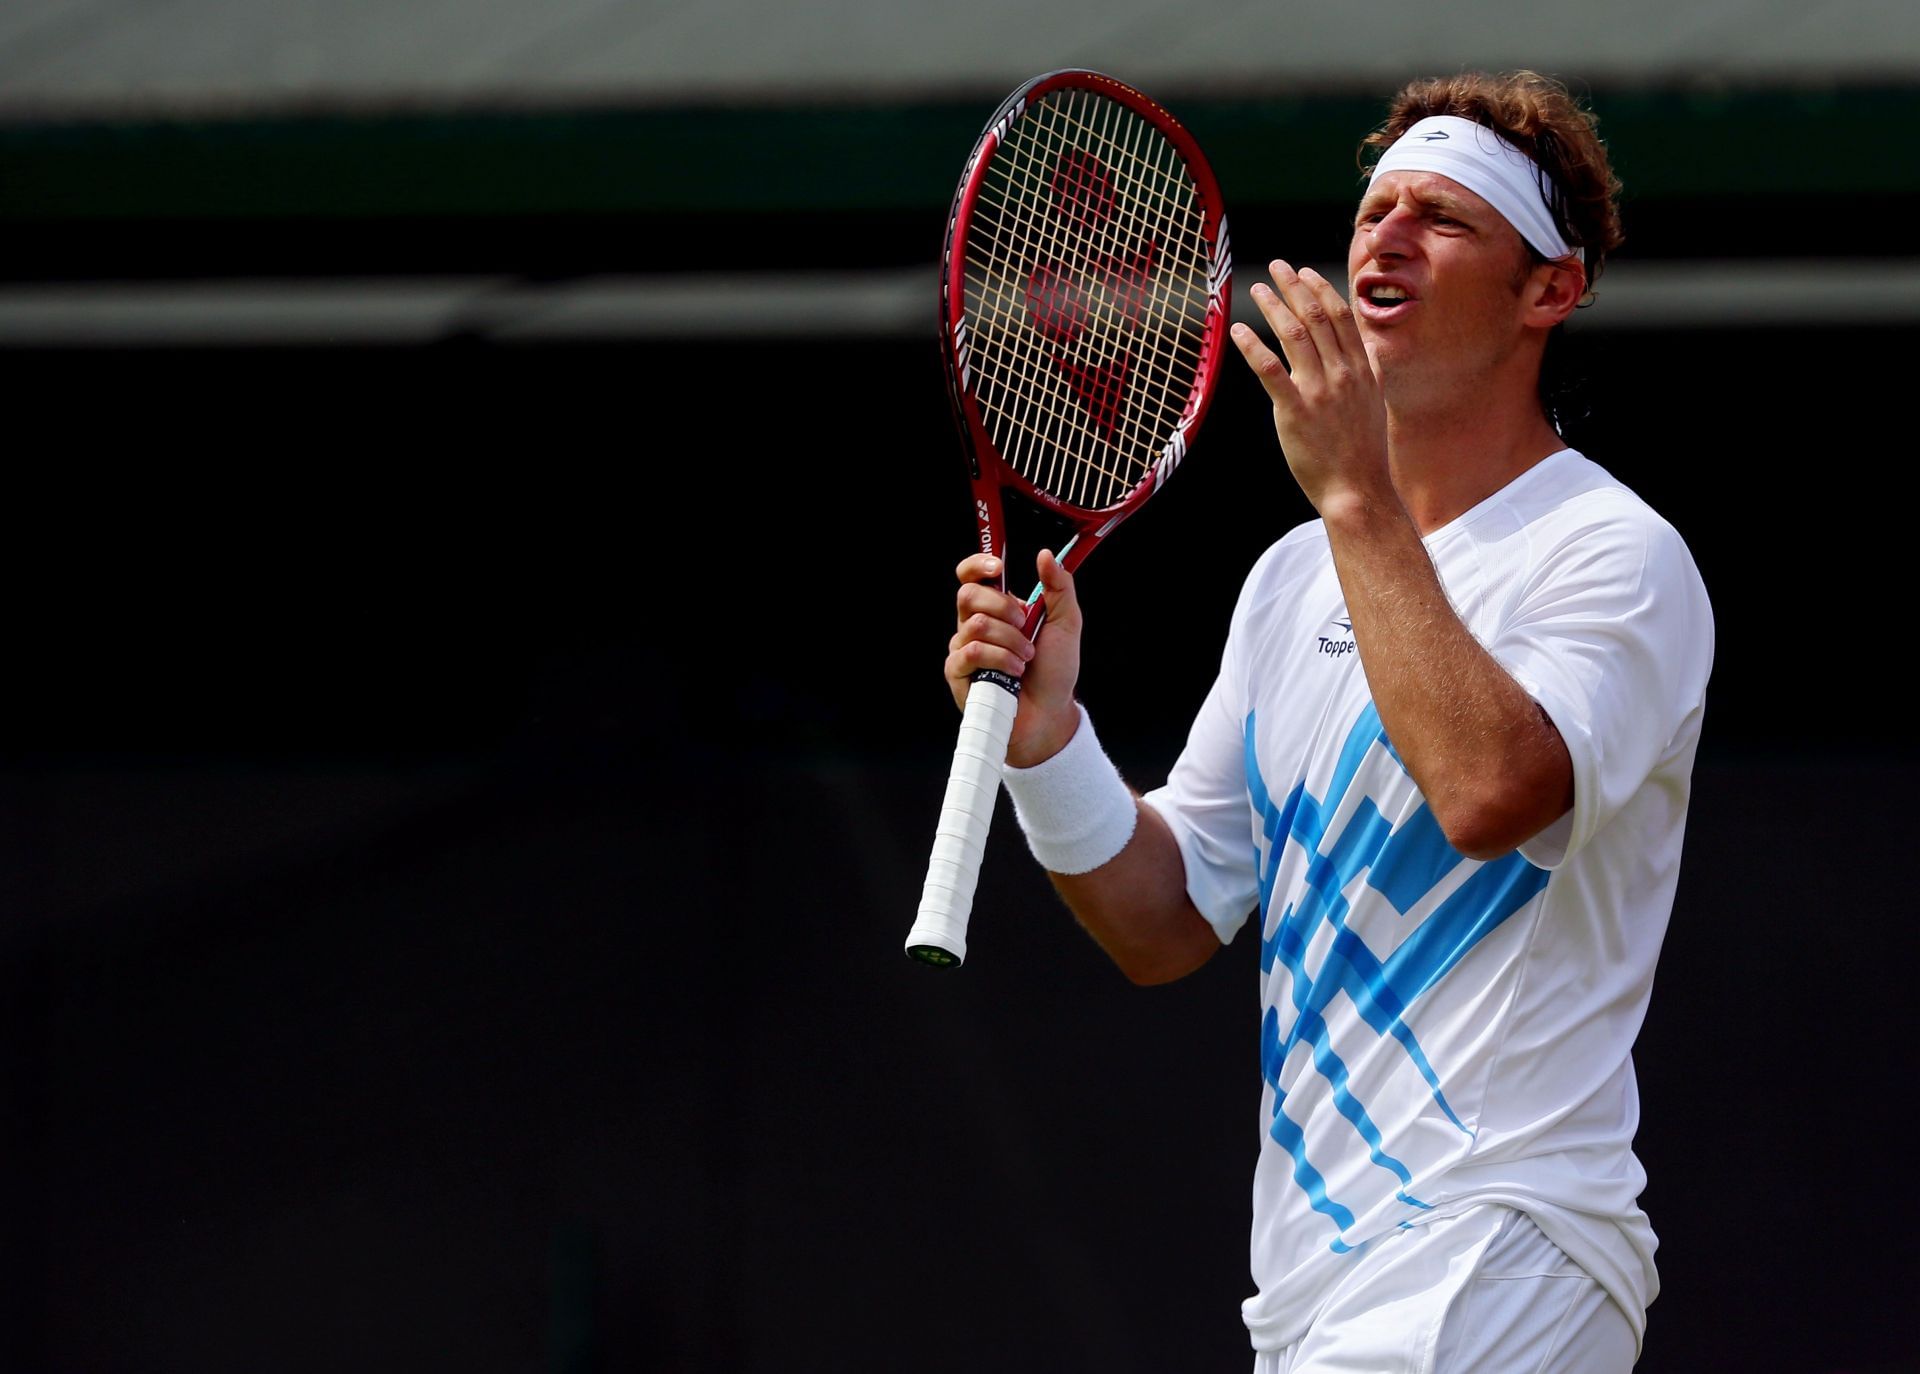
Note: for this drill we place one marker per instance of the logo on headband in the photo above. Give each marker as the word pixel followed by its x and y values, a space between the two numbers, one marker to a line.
pixel 1436 134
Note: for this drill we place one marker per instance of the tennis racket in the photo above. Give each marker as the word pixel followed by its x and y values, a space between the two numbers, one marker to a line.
pixel 1083 313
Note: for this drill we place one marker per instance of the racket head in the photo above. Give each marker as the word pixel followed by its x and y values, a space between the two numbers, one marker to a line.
pixel 1084 302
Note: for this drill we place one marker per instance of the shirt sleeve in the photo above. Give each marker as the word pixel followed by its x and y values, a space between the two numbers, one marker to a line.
pixel 1613 636
pixel 1205 801
pixel 1205 804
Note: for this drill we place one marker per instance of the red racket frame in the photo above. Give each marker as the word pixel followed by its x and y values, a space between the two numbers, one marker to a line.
pixel 990 472
pixel 938 936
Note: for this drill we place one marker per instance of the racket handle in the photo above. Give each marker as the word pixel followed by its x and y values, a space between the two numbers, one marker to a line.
pixel 939 934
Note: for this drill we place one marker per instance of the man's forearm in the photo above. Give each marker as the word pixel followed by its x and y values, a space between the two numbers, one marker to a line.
pixel 1488 760
pixel 1136 906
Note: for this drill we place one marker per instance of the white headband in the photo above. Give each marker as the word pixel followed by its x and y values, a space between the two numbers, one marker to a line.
pixel 1489 166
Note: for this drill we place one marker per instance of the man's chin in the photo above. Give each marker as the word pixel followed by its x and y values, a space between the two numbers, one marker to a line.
pixel 1387 357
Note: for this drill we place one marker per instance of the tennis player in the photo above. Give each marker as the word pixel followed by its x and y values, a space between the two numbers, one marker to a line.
pixel 1444 768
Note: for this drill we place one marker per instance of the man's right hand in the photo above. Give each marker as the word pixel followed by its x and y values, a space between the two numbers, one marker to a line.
pixel 989 635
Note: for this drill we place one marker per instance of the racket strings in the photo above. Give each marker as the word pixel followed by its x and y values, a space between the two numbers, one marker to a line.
pixel 1040 366
pixel 1095 384
pixel 1087 275
pixel 1105 257
pixel 1163 213
pixel 1035 398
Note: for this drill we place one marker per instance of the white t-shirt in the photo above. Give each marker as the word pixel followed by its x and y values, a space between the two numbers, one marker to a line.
pixel 1438 1031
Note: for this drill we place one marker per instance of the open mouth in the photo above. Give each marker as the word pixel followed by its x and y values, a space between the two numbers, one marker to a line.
pixel 1385 298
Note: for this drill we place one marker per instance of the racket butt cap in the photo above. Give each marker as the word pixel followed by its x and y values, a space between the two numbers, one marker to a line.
pixel 934 956
pixel 937 939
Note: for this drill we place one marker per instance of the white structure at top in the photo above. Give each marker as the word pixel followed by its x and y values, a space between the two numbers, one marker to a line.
pixel 129 58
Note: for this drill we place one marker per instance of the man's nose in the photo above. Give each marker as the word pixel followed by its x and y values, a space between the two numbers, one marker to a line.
pixel 1390 236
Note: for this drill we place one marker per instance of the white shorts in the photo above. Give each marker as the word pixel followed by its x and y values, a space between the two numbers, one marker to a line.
pixel 1483 1292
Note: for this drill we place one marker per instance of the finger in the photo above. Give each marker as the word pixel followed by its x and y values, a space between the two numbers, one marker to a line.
pixel 1289 330
pixel 980 598
pixel 1305 294
pixel 988 629
pixel 1295 343
pixel 969 658
pixel 978 567
pixel 1340 328
pixel 1266 365
pixel 1057 590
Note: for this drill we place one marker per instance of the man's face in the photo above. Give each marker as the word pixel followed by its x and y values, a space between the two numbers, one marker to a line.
pixel 1436 276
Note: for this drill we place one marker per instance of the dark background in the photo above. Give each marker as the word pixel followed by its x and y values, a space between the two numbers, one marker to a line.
pixel 463 803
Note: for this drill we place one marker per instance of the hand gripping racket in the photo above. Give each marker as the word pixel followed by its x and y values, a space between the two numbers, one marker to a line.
pixel 1083 313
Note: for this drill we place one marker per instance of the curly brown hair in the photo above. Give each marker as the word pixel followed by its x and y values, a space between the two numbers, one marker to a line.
pixel 1541 118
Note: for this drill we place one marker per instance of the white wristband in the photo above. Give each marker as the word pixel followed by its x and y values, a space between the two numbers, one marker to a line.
pixel 1074 808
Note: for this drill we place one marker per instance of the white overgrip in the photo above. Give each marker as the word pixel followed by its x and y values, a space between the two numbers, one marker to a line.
pixel 960 839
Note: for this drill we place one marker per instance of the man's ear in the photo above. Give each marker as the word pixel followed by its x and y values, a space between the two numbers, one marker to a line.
pixel 1553 290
